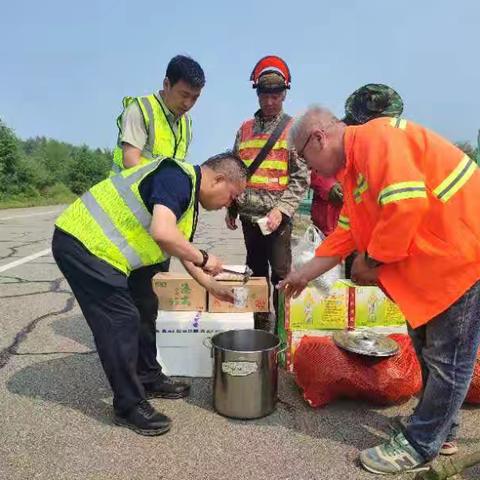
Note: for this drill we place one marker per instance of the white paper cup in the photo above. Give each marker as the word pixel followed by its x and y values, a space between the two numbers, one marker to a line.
pixel 240 297
pixel 263 224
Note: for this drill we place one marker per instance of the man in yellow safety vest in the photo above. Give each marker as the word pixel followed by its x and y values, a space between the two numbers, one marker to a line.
pixel 132 220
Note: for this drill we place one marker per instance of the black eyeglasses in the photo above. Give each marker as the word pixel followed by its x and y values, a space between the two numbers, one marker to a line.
pixel 325 128
pixel 301 151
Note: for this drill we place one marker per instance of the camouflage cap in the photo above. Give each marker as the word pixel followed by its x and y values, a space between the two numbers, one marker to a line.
pixel 271 82
pixel 371 101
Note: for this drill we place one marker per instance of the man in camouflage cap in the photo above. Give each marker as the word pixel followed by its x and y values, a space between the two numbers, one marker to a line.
pixel 364 104
pixel 278 184
pixel 371 101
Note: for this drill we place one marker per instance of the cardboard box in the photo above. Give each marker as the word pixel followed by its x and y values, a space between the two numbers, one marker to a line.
pixel 179 292
pixel 258 298
pixel 346 306
pixel 181 335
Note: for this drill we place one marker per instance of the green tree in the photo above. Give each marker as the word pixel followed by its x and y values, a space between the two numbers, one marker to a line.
pixel 87 168
pixel 43 169
pixel 9 158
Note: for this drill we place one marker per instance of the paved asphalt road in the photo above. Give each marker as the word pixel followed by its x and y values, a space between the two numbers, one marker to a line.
pixel 55 404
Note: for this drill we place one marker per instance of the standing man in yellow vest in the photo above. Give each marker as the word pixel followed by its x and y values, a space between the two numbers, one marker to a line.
pixel 158 125
pixel 150 127
pixel 277 185
pixel 137 218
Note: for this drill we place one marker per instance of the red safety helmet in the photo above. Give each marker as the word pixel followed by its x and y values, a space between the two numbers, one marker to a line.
pixel 271 64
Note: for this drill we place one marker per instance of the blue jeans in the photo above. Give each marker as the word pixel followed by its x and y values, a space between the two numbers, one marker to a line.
pixel 447 350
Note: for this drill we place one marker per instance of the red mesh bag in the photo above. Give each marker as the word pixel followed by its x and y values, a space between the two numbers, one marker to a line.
pixel 325 372
pixel 473 395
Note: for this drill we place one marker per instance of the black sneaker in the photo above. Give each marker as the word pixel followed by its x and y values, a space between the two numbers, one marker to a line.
pixel 165 387
pixel 144 420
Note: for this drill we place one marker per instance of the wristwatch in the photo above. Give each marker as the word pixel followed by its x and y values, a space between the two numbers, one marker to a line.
pixel 204 261
pixel 371 262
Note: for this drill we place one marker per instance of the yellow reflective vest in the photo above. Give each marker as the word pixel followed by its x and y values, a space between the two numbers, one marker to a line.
pixel 161 139
pixel 112 221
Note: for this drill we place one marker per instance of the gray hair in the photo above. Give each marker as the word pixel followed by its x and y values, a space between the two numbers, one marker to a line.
pixel 314 116
pixel 228 163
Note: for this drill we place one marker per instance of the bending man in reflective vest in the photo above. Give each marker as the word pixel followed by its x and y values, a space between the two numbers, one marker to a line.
pixel 137 218
pixel 276 187
pixel 411 209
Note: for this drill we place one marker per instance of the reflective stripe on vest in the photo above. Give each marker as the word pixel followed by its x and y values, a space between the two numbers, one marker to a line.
pixel 149 119
pixel 112 222
pixel 256 179
pixel 270 164
pixel 259 143
pixel 402 191
pixel 161 139
pixel 398 122
pixel 272 173
pixel 456 180
pixel 362 187
pixel 344 222
pixel 106 225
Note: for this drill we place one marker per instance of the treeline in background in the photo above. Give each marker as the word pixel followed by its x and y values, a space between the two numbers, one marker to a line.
pixel 42 171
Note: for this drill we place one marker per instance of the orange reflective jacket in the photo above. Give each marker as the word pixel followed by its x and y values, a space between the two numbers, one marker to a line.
pixel 272 173
pixel 412 201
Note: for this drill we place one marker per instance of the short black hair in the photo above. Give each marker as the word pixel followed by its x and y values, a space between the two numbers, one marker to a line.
pixel 187 69
pixel 228 163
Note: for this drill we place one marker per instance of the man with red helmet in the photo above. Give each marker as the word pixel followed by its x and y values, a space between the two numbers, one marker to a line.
pixel 278 179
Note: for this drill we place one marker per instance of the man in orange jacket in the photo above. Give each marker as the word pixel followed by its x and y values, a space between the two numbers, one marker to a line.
pixel 411 208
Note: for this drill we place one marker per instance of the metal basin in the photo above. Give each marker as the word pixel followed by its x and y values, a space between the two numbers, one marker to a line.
pixel 245 373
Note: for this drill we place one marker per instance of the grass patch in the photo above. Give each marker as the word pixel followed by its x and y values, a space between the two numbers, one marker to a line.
pixel 55 195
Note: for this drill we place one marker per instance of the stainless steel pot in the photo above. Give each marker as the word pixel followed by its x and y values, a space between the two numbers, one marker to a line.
pixel 245 373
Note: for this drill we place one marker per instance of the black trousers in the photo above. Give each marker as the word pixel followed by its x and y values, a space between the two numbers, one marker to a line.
pixel 123 326
pixel 264 251
pixel 140 286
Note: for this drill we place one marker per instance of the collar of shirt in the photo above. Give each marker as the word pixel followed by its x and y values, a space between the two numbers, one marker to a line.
pixel 173 119
pixel 265 124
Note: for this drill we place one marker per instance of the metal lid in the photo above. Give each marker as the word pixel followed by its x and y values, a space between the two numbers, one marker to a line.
pixel 366 342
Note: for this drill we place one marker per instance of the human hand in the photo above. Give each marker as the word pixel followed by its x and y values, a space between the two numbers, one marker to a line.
pixel 230 221
pixel 213 266
pixel 222 292
pixel 275 218
pixel 336 194
pixel 293 284
pixel 362 274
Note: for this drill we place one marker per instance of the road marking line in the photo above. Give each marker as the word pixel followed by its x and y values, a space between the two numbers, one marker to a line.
pixel 29 215
pixel 23 260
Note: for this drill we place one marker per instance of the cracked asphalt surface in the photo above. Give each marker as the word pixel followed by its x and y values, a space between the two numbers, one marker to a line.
pixel 55 404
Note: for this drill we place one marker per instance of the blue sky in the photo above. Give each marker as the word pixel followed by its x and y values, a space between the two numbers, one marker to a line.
pixel 66 65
